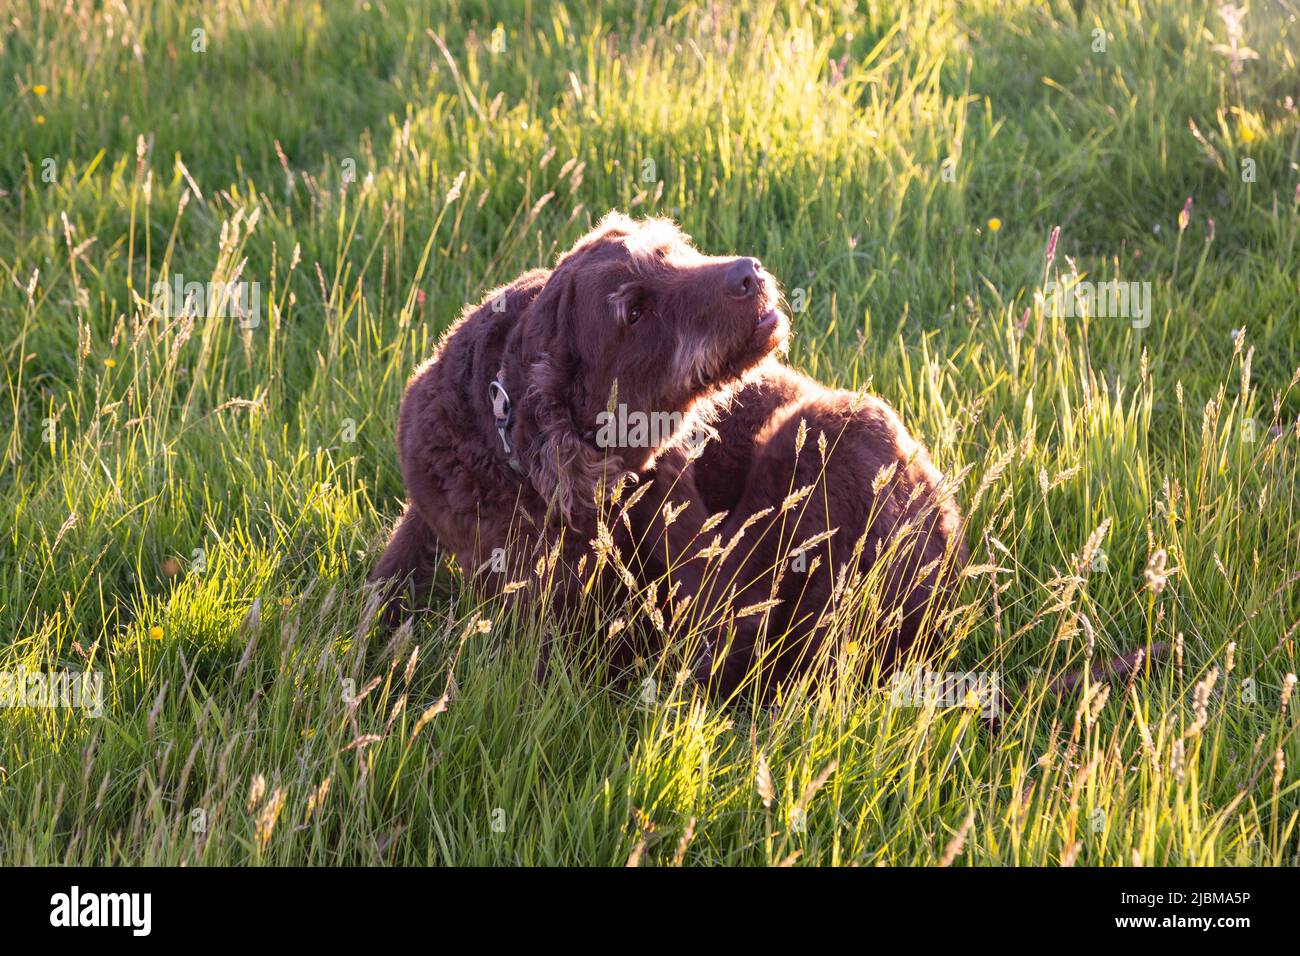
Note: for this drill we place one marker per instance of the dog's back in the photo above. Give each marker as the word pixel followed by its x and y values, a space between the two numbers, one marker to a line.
pixel 875 496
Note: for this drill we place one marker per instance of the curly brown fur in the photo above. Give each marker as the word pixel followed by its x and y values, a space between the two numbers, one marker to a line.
pixel 875 496
pixel 631 311
pixel 634 314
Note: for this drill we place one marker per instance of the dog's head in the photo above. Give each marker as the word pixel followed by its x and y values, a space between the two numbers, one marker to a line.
pixel 631 331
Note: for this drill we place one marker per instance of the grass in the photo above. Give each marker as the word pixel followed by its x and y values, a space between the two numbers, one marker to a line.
pixel 191 507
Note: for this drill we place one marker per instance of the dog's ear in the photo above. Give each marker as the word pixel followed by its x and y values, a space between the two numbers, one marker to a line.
pixel 566 471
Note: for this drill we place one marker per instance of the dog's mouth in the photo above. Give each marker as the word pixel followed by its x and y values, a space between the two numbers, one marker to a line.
pixel 732 352
pixel 769 333
pixel 771 328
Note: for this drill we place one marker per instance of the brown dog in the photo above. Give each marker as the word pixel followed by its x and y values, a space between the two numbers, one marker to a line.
pixel 537 400
pixel 497 432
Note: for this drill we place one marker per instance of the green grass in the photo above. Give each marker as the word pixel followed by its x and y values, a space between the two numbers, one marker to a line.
pixel 232 487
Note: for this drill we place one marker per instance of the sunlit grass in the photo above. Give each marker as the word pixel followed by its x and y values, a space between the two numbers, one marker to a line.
pixel 196 504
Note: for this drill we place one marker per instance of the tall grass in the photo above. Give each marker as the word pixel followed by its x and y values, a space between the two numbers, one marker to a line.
pixel 195 504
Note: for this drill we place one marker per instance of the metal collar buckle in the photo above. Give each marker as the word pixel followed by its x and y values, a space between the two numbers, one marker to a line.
pixel 503 417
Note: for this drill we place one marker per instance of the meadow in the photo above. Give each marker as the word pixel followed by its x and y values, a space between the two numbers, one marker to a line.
pixel 191 501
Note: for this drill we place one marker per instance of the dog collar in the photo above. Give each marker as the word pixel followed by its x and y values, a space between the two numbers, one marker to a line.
pixel 503 417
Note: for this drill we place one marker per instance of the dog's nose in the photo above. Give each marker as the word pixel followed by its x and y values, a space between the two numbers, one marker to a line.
pixel 741 279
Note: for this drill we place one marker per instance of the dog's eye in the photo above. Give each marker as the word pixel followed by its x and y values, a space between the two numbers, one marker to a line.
pixel 634 314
